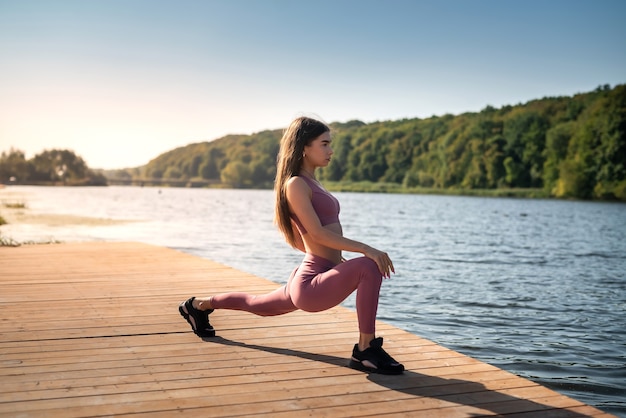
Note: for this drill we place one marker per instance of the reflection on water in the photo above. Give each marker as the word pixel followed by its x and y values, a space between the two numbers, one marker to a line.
pixel 537 287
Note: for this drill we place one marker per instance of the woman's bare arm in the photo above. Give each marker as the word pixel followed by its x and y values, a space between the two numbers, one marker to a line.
pixel 299 198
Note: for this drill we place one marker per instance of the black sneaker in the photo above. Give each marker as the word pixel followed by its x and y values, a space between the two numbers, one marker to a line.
pixel 374 359
pixel 199 320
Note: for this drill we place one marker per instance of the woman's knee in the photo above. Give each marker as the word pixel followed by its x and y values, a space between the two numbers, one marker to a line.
pixel 367 268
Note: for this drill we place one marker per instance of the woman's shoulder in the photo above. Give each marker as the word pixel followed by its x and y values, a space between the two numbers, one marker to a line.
pixel 298 184
pixel 297 181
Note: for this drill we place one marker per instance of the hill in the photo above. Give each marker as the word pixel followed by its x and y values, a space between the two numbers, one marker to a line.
pixel 566 147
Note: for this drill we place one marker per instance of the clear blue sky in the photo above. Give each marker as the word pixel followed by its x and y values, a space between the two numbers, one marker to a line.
pixel 121 81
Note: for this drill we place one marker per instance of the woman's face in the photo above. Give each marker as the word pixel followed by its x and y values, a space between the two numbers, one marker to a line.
pixel 318 152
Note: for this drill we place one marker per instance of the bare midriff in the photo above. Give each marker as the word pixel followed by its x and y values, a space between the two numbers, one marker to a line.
pixel 321 250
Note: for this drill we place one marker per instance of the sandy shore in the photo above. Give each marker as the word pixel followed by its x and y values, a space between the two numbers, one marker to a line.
pixel 22 222
pixel 23 216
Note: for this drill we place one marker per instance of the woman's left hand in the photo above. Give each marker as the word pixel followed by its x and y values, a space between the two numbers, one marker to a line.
pixel 382 260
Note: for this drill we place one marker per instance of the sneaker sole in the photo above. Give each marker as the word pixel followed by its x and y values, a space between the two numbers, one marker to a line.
pixel 357 365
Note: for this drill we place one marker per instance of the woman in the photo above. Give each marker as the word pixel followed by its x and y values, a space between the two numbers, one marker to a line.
pixel 308 216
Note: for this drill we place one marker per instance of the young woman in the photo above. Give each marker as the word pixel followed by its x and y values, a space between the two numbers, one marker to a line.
pixel 308 216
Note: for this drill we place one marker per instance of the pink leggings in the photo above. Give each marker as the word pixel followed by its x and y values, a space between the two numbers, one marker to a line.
pixel 316 285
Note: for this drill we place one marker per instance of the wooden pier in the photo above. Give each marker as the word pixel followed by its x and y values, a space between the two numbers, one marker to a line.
pixel 93 329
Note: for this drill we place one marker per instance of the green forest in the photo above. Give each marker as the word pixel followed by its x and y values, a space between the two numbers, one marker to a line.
pixel 62 167
pixel 564 147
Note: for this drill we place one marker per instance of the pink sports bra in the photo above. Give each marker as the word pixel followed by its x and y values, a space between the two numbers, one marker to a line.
pixel 326 206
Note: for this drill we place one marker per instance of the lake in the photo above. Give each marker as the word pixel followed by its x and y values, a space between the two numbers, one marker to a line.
pixel 536 287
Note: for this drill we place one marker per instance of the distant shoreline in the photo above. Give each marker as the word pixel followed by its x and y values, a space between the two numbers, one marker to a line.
pixel 349 187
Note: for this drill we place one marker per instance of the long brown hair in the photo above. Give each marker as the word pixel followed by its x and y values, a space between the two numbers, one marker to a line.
pixel 300 133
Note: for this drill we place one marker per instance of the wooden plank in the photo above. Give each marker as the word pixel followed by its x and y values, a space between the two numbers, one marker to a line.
pixel 91 329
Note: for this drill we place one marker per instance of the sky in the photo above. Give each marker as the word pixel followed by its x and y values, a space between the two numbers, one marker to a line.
pixel 120 82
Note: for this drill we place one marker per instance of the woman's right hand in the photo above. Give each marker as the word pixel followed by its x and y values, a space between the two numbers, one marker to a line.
pixel 382 260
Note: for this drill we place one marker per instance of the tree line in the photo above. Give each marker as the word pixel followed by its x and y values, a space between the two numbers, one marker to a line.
pixel 566 147
pixel 48 167
pixel 569 147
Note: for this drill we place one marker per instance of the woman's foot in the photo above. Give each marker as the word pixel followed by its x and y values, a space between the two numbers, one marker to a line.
pixel 374 359
pixel 199 320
